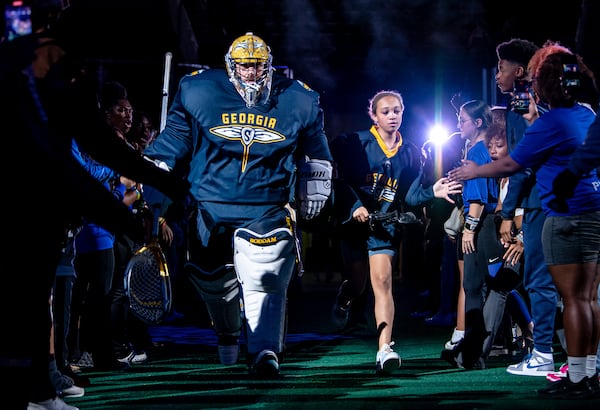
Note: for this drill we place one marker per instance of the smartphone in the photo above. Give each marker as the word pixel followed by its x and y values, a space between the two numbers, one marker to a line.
pixel 18 20
pixel 520 96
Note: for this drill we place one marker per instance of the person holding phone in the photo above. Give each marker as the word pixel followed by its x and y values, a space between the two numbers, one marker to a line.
pixel 571 236
pixel 513 59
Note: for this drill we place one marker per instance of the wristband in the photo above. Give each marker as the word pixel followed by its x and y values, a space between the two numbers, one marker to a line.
pixel 520 236
pixel 471 223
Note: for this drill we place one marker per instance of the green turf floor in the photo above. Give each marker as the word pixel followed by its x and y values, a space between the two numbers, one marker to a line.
pixel 323 370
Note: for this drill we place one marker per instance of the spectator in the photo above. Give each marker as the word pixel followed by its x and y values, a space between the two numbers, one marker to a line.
pixel 130 335
pixel 67 382
pixel 478 243
pixel 572 259
pixel 585 158
pixel 94 263
pixel 43 129
pixel 505 274
pixel 513 59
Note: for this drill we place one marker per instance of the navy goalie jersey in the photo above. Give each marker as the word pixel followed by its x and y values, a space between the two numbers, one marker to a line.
pixel 241 155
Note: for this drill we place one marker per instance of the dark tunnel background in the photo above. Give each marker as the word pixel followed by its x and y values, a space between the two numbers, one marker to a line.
pixel 344 49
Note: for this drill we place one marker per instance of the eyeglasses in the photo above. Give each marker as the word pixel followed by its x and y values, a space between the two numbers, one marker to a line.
pixel 462 121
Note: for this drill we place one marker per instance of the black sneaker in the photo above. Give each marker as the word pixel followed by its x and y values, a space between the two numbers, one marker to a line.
pixel 476 363
pixel 340 312
pixel 265 366
pixel 339 316
pixel 587 388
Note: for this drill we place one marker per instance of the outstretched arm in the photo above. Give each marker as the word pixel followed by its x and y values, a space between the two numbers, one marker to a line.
pixel 444 187
pixel 470 170
pixel 417 194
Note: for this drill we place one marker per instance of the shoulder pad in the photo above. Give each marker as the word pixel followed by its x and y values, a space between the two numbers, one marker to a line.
pixel 304 85
pixel 196 72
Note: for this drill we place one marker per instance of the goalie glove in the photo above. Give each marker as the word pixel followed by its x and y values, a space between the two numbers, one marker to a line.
pixel 314 186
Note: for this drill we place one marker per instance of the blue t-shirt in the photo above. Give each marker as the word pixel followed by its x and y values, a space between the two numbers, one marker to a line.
pixel 92 237
pixel 483 190
pixel 547 147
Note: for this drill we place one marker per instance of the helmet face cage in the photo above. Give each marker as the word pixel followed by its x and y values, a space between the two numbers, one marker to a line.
pixel 250 50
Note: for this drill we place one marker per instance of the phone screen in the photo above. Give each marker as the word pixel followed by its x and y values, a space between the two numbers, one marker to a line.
pixel 520 100
pixel 18 20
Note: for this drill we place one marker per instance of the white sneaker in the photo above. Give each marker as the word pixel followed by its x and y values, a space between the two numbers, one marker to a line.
pixel 457 337
pixel 139 357
pixel 228 354
pixel 51 404
pixel 73 391
pixel 387 360
pixel 134 358
pixel 127 358
pixel 532 365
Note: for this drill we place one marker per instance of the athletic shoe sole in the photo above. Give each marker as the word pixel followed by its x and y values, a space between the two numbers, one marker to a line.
pixel 73 391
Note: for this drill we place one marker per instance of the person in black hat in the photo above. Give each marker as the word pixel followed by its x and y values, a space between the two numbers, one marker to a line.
pixel 44 114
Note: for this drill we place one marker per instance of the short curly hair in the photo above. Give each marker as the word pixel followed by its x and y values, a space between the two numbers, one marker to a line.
pixel 516 50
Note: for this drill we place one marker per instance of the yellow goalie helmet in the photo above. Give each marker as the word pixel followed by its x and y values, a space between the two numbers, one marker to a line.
pixel 250 69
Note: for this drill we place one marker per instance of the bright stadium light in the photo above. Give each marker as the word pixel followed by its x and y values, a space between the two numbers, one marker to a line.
pixel 437 134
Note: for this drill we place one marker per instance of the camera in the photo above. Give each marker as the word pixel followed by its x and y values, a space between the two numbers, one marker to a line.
pixel 520 98
pixel 18 20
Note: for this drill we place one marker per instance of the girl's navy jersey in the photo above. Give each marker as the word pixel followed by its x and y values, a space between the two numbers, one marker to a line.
pixel 237 154
pixel 371 175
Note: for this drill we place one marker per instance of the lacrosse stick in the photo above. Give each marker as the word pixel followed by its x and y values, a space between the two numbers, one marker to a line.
pixel 147 280
pixel 395 217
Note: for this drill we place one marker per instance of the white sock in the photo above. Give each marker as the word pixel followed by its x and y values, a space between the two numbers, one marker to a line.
pixel 590 365
pixel 577 368
pixel 457 335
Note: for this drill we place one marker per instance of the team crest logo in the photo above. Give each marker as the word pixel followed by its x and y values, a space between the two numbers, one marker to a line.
pixel 247 135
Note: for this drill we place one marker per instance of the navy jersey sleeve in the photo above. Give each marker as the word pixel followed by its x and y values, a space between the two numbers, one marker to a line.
pixel 175 140
pixel 313 141
pixel 417 193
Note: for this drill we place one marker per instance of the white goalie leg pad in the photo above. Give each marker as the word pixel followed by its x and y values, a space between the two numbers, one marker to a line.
pixel 220 292
pixel 264 264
